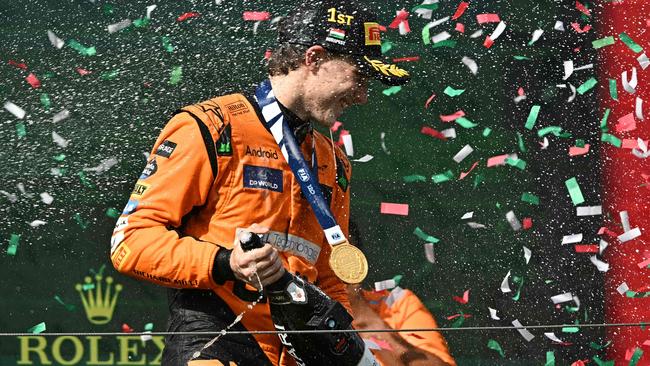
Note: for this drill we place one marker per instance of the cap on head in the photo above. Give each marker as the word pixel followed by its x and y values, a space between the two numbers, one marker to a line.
pixel 343 27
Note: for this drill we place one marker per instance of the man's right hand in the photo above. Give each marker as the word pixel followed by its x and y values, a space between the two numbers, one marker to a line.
pixel 265 261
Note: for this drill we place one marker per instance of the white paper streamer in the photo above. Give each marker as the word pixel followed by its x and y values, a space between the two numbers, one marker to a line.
pixel 629 235
pixel 471 64
pixel 629 85
pixel 553 337
pixel 61 116
pixel 625 220
pixel 347 143
pixel 105 165
pixel 463 153
pixel 59 140
pixel 116 27
pixel 476 225
pixel 523 331
pixel 527 254
pixel 602 266
pixel 364 159
pixel 559 26
pixel 573 93
pixel 46 198
pixel 568 69
pixel 585 67
pixel 15 110
pixel 565 297
pixel 150 8
pixel 468 215
pixel 643 61
pixel 493 314
pixel 513 221
pixel 56 41
pixel 638 108
pixel 255 26
pixel 589 210
pixel 429 253
pixel 505 286
pixel 383 143
pixel 497 32
pixel 536 34
pixel 571 239
pixel 442 36
pixel 37 223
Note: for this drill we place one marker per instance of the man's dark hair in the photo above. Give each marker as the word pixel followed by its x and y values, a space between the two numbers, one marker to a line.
pixel 286 57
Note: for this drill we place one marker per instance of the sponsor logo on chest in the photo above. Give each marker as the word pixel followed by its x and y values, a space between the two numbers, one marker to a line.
pixel 263 178
pixel 262 152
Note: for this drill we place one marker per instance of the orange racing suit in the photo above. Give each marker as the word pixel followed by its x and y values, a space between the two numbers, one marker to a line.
pixel 213 169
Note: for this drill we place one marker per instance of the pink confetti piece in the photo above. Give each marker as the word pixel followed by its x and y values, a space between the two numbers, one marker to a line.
pixel 582 8
pixel 520 92
pixel 19 65
pixel 256 15
pixel 626 123
pixel 433 133
pixel 497 160
pixel 402 17
pixel 452 317
pixel 267 54
pixel 460 10
pixel 576 27
pixel 126 328
pixel 336 126
pixel 463 174
pixel 382 344
pixel 606 231
pixel 452 117
pixel 33 81
pixel 83 72
pixel 647 343
pixel 462 300
pixel 407 59
pixel 426 105
pixel 340 142
pixel 632 143
pixel 586 248
pixel 487 18
pixel 575 150
pixel 644 264
pixel 528 223
pixel 460 27
pixel 488 42
pixel 580 363
pixel 188 15
pixel 394 209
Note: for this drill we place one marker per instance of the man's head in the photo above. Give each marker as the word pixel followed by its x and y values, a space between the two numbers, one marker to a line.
pixel 332 47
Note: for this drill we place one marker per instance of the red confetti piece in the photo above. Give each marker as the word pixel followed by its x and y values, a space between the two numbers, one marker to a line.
pixel 586 248
pixel 452 317
pixel 626 123
pixel 604 230
pixel 188 15
pixel 644 264
pixel 452 117
pixel 464 299
pixel 632 144
pixel 407 59
pixel 528 223
pixel 576 27
pixel 575 150
pixel 336 126
pixel 19 65
pixel 33 81
pixel 520 92
pixel 460 10
pixel 647 343
pixel 488 42
pixel 580 363
pixel 126 328
pixel 83 72
pixel 582 9
pixel 460 27
pixel 426 130
pixel 401 209
pixel 426 105
pixel 497 160
pixel 257 15
pixel 267 54
pixel 402 16
pixel 382 28
pixel 463 174
pixel 487 18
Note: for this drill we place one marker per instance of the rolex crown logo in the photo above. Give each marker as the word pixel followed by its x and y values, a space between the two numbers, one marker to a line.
pixel 99 305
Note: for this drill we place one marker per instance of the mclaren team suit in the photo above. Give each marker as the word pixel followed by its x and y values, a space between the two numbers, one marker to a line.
pixel 213 169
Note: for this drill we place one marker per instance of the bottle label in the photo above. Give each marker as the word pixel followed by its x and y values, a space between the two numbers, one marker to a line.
pixel 297 293
pixel 290 349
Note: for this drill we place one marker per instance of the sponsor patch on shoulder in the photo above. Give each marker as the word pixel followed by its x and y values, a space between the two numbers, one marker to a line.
pixel 130 207
pixel 262 178
pixel 150 169
pixel 140 188
pixel 166 149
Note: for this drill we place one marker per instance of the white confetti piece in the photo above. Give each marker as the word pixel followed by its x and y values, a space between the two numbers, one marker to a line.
pixel 471 64
pixel 56 172
pixel 385 285
pixel 643 61
pixel 15 110
pixel 625 220
pixel 638 108
pixel 536 34
pixel 61 116
pixel 475 225
pixel 602 266
pixel 37 223
pixel 622 288
pixel 402 28
pixel 383 143
pixel 255 26
pixel 56 41
pixel 103 166
pixel 10 196
pixel 442 36
pixel 476 34
pixel 513 221
pixel 505 286
pixel 468 215
pixel 573 93
pixel 463 153
pixel 544 144
pixel 150 8
pixel 528 336
pixel 527 254
pixel 498 31
pixel 426 13
pixel 629 85
pixel 59 140
pixel 429 252
pixel 565 297
pixel 46 198
pixel 493 314
pixel 584 67
pixel 572 238
pixel 116 27
pixel 629 235
pixel 602 246
pixel 568 69
pixel 276 19
pixel 449 133
pixel 347 143
pixel 553 337
pixel 364 159
pixel 559 26
pixel 589 210
pixel 21 188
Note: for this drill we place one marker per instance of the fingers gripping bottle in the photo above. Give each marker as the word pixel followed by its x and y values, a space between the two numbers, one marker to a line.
pixel 299 305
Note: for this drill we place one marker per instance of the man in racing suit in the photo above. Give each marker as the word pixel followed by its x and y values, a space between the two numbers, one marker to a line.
pixel 216 168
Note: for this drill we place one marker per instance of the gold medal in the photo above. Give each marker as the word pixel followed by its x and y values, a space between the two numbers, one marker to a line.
pixel 348 263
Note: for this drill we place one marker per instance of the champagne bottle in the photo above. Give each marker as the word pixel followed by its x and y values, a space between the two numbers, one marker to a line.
pixel 299 305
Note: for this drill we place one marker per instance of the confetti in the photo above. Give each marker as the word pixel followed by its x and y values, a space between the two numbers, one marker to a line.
pixel 394 209
pixel 452 117
pixel 513 221
pixel 392 90
pixel 116 27
pixel 68 307
pixel 189 15
pixel 494 345
pixel 429 253
pixel 603 42
pixel 432 132
pixel 464 174
pixel 528 336
pixel 630 43
pixel 256 15
pixel 14 240
pixel 385 285
pixel 589 210
pixel 37 223
pixel 414 178
pixel 530 198
pixel 61 116
pixel 38 328
pixel 586 86
pixel 629 85
pixel 33 81
pixel 487 18
pixel 443 177
pixel 505 286
pixel 532 117
pixel 493 314
pixel 626 123
pixel 15 110
pixel 576 151
pixel 465 123
pixel 471 64
pixel 83 50
pixel 45 100
pixel 527 254
pixel 559 26
pixel 463 153
pixel 536 35
pixel 602 266
pixel 629 235
pixel 56 41
pixel 462 300
pixel 574 191
pixel 364 159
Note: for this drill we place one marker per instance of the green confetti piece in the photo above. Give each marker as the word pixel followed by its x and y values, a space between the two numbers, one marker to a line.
pixel 426 35
pixel 88 286
pixel 446 43
pixel 80 221
pixel 574 191
pixel 637 295
pixel 555 130
pixel 638 352
pixel 84 180
pixel 580 143
pixel 425 7
pixel 520 142
pixel 599 43
pixel 458 322
pixel 613 93
pixel 392 90
pixel 453 92
pixel 494 345
pixel 48 75
pixel 530 198
pixel 532 117
pixel 59 157
pixel 397 279
pixel 520 58
pixel 600 362
pixel 20 130
pixel 570 330
pixel 487 131
pixel 498 205
pixel 465 123
pixel 110 75
pixel 517 163
pixel 478 179
pixel 550 358
pixel 38 328
pixel 443 177
pixel 85 51
pixel 414 178
pixel 13 244
pixel 386 46
pixel 45 101
pixel 176 75
pixel 148 327
pixel 571 309
pixel 112 213
pixel 611 139
pixel 68 307
pixel 603 122
pixel 141 22
pixel 586 86
pixel 167 44
pixel 424 236
pixel 629 42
